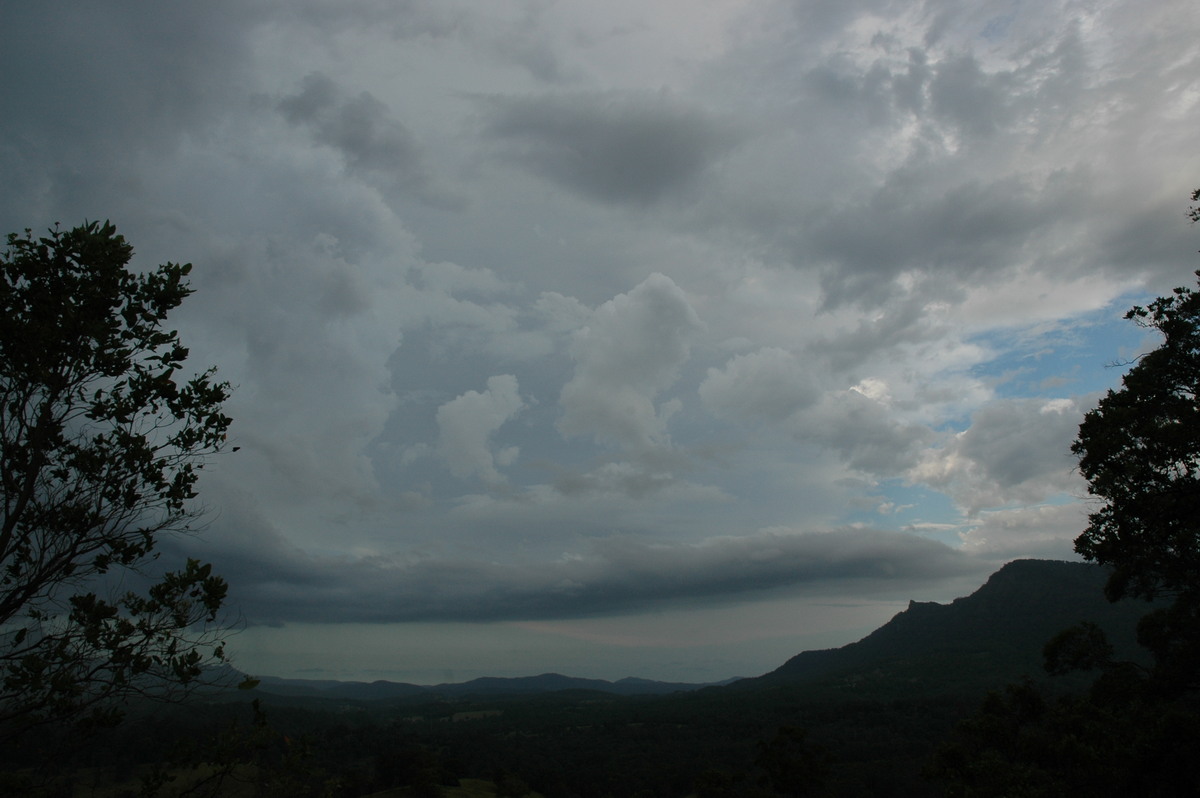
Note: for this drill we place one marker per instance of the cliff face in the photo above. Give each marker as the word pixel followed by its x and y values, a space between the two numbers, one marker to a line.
pixel 996 633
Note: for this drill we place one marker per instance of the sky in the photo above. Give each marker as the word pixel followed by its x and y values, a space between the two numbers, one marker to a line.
pixel 661 339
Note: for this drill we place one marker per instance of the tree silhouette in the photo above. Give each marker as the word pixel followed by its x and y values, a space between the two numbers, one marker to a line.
pixel 1134 732
pixel 1139 449
pixel 100 446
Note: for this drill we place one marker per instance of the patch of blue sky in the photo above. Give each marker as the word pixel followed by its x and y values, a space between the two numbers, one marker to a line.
pixel 1060 499
pixel 952 423
pixel 904 507
pixel 997 28
pixel 1073 357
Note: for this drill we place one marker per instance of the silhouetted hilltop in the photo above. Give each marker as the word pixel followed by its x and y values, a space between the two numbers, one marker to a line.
pixel 995 634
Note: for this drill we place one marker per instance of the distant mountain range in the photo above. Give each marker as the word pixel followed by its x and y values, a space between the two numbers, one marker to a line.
pixel 994 635
pixel 488 685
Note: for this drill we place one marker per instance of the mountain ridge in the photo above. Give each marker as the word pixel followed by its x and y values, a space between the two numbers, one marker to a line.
pixel 484 685
pixel 992 635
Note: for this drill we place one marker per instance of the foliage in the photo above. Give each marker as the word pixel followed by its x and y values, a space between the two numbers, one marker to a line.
pixel 100 446
pixel 558 746
pixel 252 759
pixel 1114 741
pixel 1134 732
pixel 1139 449
pixel 1083 647
pixel 792 766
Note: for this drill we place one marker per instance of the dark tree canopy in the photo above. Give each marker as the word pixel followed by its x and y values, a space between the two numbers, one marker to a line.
pixel 1135 731
pixel 1139 449
pixel 1140 452
pixel 101 440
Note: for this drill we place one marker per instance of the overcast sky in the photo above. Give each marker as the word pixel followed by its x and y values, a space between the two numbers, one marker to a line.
pixel 662 339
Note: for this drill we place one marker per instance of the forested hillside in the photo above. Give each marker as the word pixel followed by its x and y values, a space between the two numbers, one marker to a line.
pixel 994 635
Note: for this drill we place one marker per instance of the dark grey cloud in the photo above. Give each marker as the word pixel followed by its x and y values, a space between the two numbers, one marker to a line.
pixel 1015 451
pixel 975 102
pixel 616 146
pixel 1045 91
pixel 1155 239
pixel 938 158
pixel 908 87
pixel 93 89
pixel 1023 441
pixel 902 322
pixel 528 46
pixel 400 19
pixel 969 231
pixel 372 143
pixel 768 385
pixel 817 19
pixel 863 432
pixel 520 39
pixel 625 479
pixel 617 574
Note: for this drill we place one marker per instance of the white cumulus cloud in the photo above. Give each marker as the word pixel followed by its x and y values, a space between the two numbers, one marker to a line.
pixel 631 350
pixel 466 425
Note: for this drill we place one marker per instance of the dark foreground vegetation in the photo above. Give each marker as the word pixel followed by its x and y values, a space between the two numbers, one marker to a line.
pixel 865 720
pixel 557 745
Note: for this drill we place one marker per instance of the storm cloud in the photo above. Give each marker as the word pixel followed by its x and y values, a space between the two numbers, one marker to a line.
pixel 555 311
pixel 615 575
pixel 614 147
